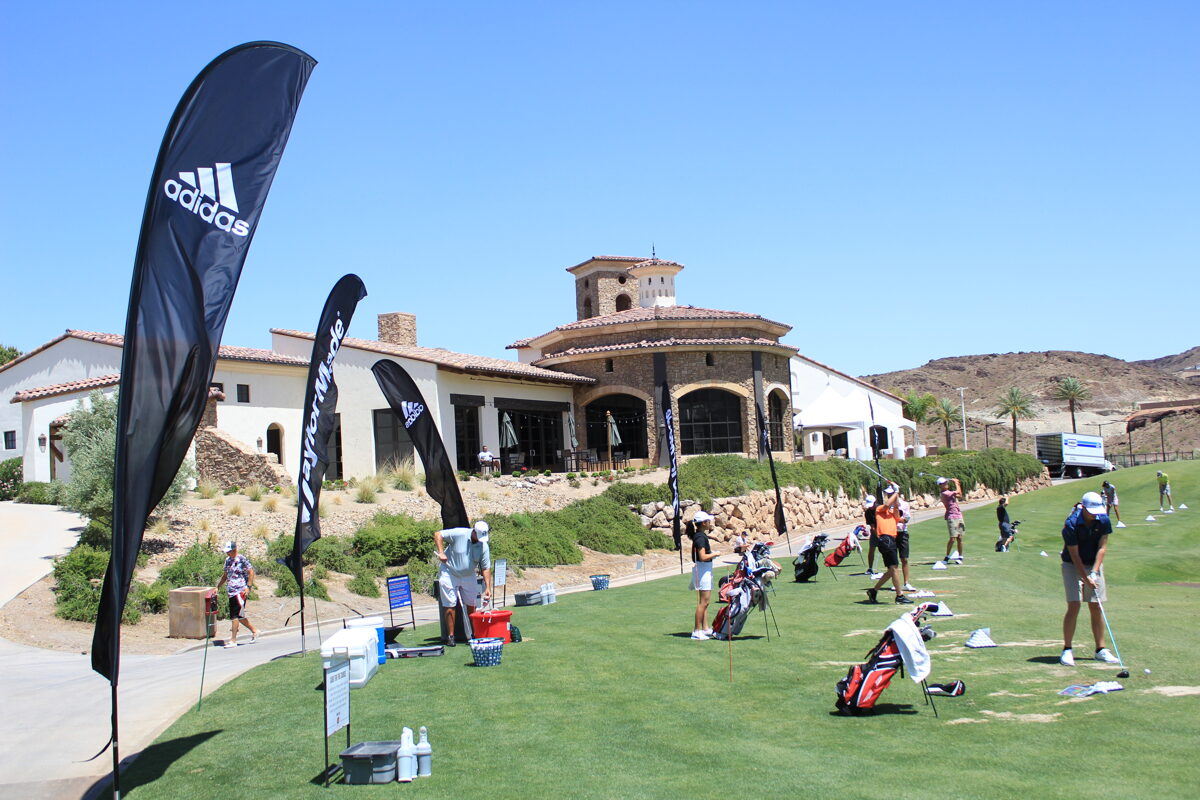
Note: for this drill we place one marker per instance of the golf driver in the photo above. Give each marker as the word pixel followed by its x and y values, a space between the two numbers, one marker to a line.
pixel 1112 639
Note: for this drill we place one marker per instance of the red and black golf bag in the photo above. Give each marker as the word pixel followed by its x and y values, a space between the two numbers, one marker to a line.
pixel 742 592
pixel 858 691
pixel 849 544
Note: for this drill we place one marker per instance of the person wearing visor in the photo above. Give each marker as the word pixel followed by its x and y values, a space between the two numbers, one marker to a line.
pixel 1085 540
pixel 698 528
pixel 462 552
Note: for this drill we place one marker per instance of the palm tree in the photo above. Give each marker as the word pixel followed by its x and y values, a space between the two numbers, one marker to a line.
pixel 917 407
pixel 1016 404
pixel 1074 392
pixel 946 412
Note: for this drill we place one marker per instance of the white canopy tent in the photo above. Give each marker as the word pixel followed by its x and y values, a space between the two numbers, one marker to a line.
pixel 833 412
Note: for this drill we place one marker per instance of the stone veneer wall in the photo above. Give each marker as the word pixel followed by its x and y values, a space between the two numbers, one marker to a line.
pixel 603 286
pixel 807 511
pixel 398 328
pixel 225 461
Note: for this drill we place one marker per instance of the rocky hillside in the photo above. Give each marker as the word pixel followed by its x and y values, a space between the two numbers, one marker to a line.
pixel 1185 365
pixel 1116 387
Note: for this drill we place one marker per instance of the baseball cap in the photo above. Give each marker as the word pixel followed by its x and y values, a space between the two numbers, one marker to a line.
pixel 1160 472
pixel 482 530
pixel 702 516
pixel 889 489
pixel 869 500
pixel 1092 503
pixel 229 547
pixel 941 481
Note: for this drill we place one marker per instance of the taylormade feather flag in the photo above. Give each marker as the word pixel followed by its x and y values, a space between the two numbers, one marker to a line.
pixel 210 182
pixel 320 405
pixel 407 403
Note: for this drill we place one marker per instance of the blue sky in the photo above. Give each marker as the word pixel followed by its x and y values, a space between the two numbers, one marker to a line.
pixel 898 181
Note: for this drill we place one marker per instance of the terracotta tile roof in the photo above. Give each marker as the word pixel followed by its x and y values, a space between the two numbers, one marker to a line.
pixel 60 421
pixel 737 341
pixel 629 259
pixel 99 382
pixel 455 361
pixel 519 343
pixel 663 313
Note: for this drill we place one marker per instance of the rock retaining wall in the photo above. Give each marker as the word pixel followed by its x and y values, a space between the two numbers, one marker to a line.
pixel 225 461
pixel 806 510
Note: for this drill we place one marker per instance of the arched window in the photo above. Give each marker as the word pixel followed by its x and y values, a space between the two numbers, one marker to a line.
pixel 629 412
pixel 623 302
pixel 587 308
pixel 710 421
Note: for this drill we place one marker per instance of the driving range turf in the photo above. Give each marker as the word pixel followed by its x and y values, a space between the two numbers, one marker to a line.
pixel 608 697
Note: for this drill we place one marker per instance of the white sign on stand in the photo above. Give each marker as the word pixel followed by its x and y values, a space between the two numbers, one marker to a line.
pixel 337 697
pixel 500 573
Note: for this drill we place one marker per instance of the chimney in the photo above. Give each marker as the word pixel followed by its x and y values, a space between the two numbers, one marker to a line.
pixel 398 328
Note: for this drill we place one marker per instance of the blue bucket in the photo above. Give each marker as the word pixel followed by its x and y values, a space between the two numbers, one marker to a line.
pixel 599 582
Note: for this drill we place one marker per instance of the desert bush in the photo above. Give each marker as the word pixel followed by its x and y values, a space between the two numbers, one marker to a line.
pixel 38 493
pixel 397 538
pixel 235 510
pixel 199 565
pixel 255 492
pixel 365 493
pixel 207 490
pixel 364 584
pixel 271 505
pixel 332 552
pixel 96 534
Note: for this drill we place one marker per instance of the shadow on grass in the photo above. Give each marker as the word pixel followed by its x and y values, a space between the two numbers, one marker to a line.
pixel 881 709
pixel 737 638
pixel 150 764
pixel 1043 660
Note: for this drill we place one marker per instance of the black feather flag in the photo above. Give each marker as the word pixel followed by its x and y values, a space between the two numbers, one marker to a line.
pixel 668 417
pixel 407 403
pixel 764 437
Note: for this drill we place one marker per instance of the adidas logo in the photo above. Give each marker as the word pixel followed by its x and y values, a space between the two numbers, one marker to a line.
pixel 208 192
pixel 411 412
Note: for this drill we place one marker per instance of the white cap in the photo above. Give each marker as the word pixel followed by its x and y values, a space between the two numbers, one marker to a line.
pixel 481 531
pixel 702 516
pixel 869 500
pixel 1092 503
pixel 941 481
pixel 1160 472
pixel 889 489
pixel 229 547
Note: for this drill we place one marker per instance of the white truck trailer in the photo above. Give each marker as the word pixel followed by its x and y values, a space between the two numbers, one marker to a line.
pixel 1072 455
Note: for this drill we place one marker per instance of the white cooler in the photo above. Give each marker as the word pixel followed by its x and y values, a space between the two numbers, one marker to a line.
pixel 360 645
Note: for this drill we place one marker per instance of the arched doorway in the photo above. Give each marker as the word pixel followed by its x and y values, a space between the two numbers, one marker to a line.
pixel 275 440
pixel 630 415
pixel 624 302
pixel 710 421
pixel 776 412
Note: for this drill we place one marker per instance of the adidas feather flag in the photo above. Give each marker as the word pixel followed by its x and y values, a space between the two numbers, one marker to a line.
pixel 407 403
pixel 320 405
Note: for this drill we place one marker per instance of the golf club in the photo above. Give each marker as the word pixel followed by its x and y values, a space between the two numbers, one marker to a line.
pixel 1111 639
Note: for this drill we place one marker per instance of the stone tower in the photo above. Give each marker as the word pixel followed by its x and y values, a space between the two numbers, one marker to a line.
pixel 656 282
pixel 604 286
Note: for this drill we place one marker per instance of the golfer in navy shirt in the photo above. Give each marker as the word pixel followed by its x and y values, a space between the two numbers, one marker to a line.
pixel 1085 539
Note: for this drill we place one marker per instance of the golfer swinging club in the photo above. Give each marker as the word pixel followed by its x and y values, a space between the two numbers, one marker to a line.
pixel 1085 540
pixel 461 551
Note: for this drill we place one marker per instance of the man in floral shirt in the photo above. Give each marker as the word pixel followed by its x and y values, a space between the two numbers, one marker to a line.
pixel 238 578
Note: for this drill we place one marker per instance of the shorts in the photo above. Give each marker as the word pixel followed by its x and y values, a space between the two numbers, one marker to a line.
pixel 1006 530
pixel 467 586
pixel 955 527
pixel 702 576
pixel 1113 502
pixel 874 540
pixel 1078 591
pixel 1164 489
pixel 902 545
pixel 237 605
pixel 889 549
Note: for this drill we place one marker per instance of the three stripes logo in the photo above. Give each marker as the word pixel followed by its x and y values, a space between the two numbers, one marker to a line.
pixel 209 194
pixel 411 412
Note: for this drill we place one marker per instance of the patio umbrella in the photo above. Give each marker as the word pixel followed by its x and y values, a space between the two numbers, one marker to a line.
pixel 614 436
pixel 508 434
pixel 571 428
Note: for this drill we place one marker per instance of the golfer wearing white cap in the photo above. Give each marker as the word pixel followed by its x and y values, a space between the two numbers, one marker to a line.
pixel 1085 540
pixel 237 577
pixel 462 551
pixel 702 558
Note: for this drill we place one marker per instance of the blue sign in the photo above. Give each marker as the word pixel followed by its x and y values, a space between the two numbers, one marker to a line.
pixel 399 591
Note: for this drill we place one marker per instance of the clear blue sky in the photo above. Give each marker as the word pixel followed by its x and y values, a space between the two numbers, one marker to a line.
pixel 898 181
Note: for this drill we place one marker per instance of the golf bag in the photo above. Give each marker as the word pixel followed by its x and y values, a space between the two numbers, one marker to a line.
pixel 848 545
pixel 742 592
pixel 1004 534
pixel 858 691
pixel 806 560
pixel 760 564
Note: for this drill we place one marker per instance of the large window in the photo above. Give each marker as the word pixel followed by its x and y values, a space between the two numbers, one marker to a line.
pixel 392 442
pixel 710 421
pixel 629 413
pixel 466 437
pixel 776 410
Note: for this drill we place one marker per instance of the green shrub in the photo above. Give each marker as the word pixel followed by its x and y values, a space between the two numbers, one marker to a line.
pixel 372 564
pixel 546 473
pixel 150 599
pixel 636 494
pixel 38 493
pixel 398 538
pixel 363 584
pixel 78 578
pixel 84 561
pixel 516 473
pixel 11 471
pixel 96 534
pixel 198 566
pixel 331 552
pixel 286 586
pixel 570 476
pixel 603 524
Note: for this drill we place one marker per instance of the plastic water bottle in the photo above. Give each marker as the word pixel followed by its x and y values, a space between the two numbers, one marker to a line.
pixel 406 767
pixel 424 755
pixel 553 593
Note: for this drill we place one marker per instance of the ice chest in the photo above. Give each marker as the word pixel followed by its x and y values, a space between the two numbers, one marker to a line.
pixel 534 598
pixel 370 762
pixel 362 650
pixel 375 623
pixel 491 624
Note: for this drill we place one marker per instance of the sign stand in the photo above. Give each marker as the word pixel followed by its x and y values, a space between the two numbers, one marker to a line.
pixel 337 703
pixel 500 578
pixel 399 596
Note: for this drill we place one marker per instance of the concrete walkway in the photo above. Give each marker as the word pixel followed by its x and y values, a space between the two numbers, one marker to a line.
pixel 57 709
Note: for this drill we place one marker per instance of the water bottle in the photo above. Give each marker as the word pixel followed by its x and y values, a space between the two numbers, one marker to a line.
pixel 424 755
pixel 553 594
pixel 407 756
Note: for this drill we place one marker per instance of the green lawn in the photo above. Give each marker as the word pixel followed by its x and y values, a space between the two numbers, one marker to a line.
pixel 608 698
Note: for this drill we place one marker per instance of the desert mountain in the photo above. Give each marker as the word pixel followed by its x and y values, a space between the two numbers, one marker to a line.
pixel 1116 387
pixel 1185 365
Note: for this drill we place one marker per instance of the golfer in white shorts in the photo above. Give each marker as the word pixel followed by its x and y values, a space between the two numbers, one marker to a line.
pixel 461 552
pixel 702 569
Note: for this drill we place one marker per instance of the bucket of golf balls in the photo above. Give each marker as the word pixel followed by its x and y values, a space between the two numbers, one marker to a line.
pixel 599 582
pixel 487 651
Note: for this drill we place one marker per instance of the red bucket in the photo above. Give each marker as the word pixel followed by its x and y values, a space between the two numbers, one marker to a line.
pixel 491 624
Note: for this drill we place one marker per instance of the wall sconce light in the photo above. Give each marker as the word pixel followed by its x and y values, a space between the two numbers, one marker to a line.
pixel 260 444
pixel 42 442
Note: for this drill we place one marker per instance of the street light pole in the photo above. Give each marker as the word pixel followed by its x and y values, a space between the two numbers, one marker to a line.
pixel 962 399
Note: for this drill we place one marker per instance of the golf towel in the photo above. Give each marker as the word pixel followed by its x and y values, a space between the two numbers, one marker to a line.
pixel 912 648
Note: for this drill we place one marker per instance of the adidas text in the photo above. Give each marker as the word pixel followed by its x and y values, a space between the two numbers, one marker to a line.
pixel 197 192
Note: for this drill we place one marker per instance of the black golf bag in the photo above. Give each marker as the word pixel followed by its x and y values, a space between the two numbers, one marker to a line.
pixel 806 560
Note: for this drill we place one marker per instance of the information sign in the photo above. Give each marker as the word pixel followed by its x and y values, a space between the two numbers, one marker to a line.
pixel 399 591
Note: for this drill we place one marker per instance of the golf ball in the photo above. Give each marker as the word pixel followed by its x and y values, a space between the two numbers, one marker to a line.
pixel 1146 671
